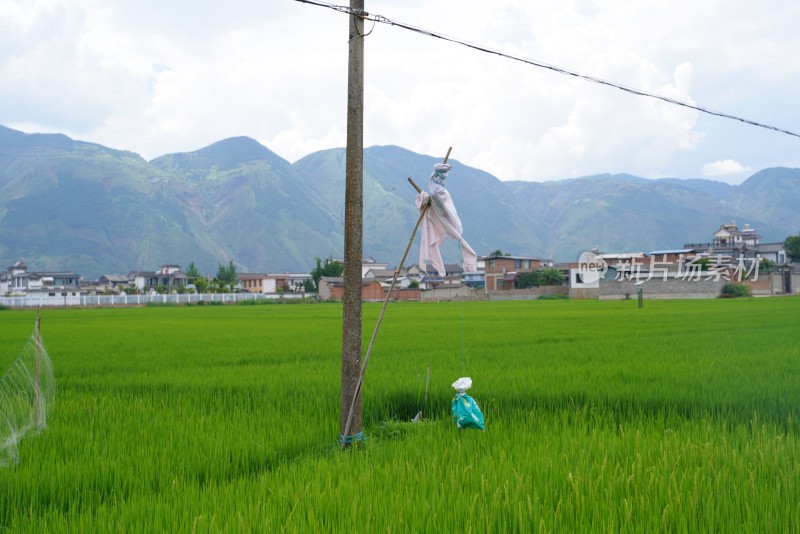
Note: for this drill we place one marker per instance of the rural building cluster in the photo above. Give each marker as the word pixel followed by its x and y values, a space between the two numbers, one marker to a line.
pixel 696 270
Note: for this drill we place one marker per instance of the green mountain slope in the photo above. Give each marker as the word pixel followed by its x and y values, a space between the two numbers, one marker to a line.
pixel 620 214
pixel 487 208
pixel 771 195
pixel 248 204
pixel 70 205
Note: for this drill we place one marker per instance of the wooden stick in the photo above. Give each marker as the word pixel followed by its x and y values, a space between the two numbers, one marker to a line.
pixel 421 412
pixel 447 156
pixel 412 182
pixel 357 393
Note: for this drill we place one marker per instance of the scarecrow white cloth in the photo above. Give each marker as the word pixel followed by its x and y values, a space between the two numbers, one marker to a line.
pixel 440 222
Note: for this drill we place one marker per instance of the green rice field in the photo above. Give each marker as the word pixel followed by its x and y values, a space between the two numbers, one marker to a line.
pixel 681 416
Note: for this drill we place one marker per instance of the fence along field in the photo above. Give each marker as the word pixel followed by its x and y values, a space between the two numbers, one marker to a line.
pixel 599 415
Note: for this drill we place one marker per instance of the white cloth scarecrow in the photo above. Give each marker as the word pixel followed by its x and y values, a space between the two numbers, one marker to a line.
pixel 440 222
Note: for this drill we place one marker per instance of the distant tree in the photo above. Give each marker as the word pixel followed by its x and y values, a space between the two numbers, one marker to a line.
pixel 549 276
pixel 792 245
pixel 217 286
pixel 703 263
pixel 192 273
pixel 308 286
pixel 201 285
pixel 766 264
pixel 546 276
pixel 414 284
pixel 329 268
pixel 525 280
pixel 227 277
pixel 499 252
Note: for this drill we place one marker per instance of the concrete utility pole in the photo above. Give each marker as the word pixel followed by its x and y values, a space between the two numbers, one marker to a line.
pixel 353 230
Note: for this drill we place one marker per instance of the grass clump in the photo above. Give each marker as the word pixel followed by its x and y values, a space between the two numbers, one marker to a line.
pixel 735 290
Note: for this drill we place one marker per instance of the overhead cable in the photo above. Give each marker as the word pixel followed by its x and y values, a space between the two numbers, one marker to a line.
pixel 481 48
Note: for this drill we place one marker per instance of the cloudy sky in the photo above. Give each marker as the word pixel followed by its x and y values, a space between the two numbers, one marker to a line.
pixel 176 75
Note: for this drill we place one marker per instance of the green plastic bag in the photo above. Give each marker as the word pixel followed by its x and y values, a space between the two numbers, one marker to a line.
pixel 466 413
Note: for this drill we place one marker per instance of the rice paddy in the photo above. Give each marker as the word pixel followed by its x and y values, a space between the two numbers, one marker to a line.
pixel 678 417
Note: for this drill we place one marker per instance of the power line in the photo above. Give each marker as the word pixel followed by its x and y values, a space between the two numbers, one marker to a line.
pixel 383 20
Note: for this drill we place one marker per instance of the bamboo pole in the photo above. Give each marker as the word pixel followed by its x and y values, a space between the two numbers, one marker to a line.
pixel 357 394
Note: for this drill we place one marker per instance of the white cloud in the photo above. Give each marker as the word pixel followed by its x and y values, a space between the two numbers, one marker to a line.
pixel 290 145
pixel 726 167
pixel 156 78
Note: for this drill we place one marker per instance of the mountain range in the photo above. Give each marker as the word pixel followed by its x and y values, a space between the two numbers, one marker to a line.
pixel 68 205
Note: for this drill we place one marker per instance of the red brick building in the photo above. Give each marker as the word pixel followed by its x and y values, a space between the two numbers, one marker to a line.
pixel 502 271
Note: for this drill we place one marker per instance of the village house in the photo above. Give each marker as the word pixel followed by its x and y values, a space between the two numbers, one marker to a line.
pixel 264 283
pixel 501 272
pixel 672 258
pixel 729 235
pixel 382 275
pixel 653 263
pixel 297 281
pixel 170 277
pixel 698 270
pixel 732 242
pixel 368 264
pixel 732 253
pixel 430 279
pixel 111 283
pixel 477 278
pixel 273 283
pixel 16 280
pixel 774 252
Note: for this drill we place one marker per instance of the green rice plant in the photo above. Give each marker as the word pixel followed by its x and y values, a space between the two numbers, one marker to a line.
pixel 600 416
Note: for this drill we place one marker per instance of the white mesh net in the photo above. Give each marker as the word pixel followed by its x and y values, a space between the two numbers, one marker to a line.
pixel 26 391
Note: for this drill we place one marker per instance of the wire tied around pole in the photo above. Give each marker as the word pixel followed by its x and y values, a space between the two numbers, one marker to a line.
pixel 353 438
